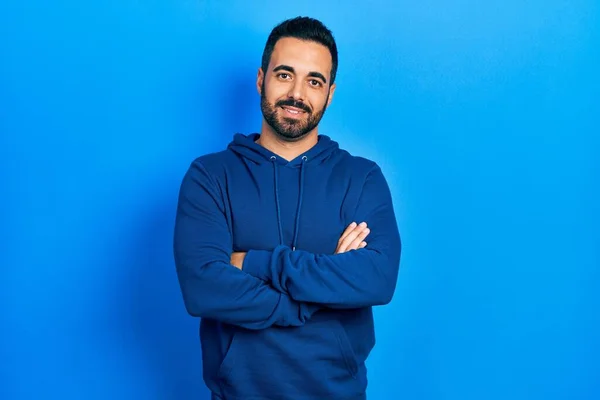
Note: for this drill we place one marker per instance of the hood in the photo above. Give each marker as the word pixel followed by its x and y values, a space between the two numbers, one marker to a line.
pixel 245 146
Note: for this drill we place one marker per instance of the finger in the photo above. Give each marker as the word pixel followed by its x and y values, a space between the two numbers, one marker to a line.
pixel 362 245
pixel 349 229
pixel 359 239
pixel 351 237
pixel 342 243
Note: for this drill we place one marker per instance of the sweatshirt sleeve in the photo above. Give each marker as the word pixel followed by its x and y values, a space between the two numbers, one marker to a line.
pixel 358 278
pixel 211 286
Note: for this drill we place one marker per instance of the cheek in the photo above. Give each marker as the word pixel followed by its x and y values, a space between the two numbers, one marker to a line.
pixel 274 97
pixel 318 101
pixel 275 91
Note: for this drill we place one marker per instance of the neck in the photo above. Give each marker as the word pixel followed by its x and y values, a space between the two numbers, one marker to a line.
pixel 284 149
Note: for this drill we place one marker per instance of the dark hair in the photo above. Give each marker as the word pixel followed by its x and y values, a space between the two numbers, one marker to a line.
pixel 303 28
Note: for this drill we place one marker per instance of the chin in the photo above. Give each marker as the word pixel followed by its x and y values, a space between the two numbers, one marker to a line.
pixel 290 136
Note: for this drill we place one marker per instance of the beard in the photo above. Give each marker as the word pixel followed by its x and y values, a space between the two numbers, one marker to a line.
pixel 290 129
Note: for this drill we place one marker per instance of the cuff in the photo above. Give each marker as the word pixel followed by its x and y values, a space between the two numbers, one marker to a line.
pixel 256 263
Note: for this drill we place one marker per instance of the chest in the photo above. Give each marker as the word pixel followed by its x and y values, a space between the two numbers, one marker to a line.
pixel 269 208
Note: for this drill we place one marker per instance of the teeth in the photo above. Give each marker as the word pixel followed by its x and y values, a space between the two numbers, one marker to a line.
pixel 292 111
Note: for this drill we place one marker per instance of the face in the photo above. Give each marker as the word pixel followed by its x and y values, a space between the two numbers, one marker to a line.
pixel 295 90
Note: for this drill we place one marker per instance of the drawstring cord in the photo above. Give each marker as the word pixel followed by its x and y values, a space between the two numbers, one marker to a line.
pixel 300 197
pixel 273 159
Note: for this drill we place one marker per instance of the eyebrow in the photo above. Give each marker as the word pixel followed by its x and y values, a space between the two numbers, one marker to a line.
pixel 287 68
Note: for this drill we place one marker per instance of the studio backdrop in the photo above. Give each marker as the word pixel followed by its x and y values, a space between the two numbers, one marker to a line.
pixel 483 115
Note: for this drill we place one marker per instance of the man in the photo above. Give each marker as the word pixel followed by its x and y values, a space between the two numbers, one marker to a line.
pixel 284 242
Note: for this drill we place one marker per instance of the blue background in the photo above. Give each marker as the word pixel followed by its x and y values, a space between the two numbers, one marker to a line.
pixel 483 115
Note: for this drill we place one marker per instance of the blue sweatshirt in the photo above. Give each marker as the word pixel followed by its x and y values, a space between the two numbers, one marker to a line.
pixel 296 322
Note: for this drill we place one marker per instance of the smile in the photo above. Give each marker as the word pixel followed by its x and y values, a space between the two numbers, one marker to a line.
pixel 293 111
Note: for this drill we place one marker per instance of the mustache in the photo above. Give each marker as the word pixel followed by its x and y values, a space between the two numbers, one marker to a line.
pixel 293 103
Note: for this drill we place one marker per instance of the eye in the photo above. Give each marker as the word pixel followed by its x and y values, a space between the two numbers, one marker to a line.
pixel 316 83
pixel 283 75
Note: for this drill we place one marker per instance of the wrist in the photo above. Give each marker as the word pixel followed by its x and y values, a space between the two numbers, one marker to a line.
pixel 237 259
pixel 256 263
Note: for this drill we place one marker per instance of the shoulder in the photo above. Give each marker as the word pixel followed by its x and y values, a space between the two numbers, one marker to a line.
pixel 362 169
pixel 214 163
pixel 206 171
pixel 357 163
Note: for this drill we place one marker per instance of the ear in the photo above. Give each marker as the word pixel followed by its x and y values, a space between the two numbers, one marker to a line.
pixel 331 91
pixel 259 80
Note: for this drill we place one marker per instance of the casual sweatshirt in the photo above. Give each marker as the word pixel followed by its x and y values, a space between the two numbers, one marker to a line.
pixel 296 321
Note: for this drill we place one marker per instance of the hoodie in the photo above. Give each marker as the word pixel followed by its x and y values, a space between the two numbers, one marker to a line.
pixel 296 321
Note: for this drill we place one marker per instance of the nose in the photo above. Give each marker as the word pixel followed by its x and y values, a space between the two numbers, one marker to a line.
pixel 297 90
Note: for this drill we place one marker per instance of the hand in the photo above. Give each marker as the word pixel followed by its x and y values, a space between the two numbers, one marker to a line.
pixel 353 238
pixel 237 259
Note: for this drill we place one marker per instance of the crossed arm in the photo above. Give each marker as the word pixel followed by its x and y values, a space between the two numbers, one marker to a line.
pixel 210 286
pixel 353 238
pixel 347 279
pixel 280 287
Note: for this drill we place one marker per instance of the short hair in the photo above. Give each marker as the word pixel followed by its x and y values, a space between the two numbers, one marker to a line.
pixel 303 28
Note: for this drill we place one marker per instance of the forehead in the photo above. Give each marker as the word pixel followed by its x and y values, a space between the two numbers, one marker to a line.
pixel 302 55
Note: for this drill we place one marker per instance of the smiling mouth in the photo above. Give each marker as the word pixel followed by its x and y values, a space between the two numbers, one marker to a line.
pixel 293 111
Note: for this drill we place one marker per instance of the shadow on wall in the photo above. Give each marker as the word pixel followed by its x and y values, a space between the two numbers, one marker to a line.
pixel 241 111
pixel 212 114
pixel 163 335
